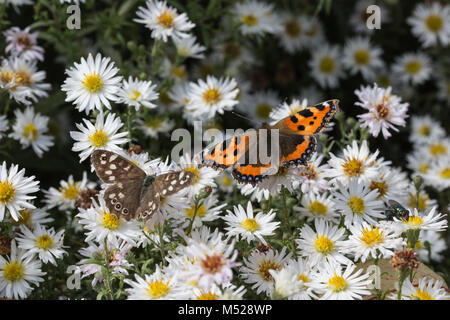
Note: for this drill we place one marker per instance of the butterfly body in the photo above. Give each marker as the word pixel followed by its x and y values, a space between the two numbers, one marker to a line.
pixel 295 145
pixel 133 193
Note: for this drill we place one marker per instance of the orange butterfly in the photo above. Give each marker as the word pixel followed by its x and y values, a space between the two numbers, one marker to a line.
pixel 296 144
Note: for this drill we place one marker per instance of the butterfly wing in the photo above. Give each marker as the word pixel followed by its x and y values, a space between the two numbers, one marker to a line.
pixel 122 198
pixel 149 204
pixel 296 149
pixel 311 120
pixel 226 153
pixel 113 168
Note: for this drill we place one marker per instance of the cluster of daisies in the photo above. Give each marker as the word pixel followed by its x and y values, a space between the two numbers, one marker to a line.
pixel 300 234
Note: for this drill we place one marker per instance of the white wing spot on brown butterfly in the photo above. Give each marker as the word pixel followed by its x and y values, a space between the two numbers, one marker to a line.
pixel 113 157
pixel 108 172
pixel 112 178
pixel 113 166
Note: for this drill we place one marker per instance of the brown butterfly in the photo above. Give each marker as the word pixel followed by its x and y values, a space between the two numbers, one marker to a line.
pixel 133 194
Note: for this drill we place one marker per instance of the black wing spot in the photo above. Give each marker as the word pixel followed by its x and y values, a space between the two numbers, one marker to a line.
pixel 294 119
pixel 311 123
pixel 320 107
pixel 236 151
pixel 306 113
pixel 301 128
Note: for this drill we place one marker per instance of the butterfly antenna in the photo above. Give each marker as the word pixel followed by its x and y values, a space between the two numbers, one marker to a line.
pixel 244 117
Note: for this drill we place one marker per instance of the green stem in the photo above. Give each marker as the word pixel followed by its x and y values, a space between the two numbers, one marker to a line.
pixel 161 243
pixel 196 205
pixel 286 218
pixel 107 279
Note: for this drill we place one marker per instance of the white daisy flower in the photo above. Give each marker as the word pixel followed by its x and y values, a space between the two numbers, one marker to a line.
pixel 157 286
pixel 314 206
pixel 390 183
pixel 437 150
pixel 17 273
pixel 14 191
pixel 430 246
pixel 356 162
pixel 101 135
pixel 153 126
pixel 135 93
pixel 257 266
pixel 256 17
pixel 232 292
pixel 212 262
pixel 211 97
pixel 433 221
pixel 287 283
pixel 32 218
pixel 260 104
pixel 357 203
pixel 305 272
pixel 361 56
pixel 438 174
pixel 189 48
pixel 336 282
pixel 20 78
pixel 425 130
pixel 418 162
pixel 324 244
pixel 412 67
pixel 234 55
pixel 225 182
pixel 204 176
pixel 244 224
pixel 23 43
pixel 431 23
pixel 209 209
pixel 372 242
pixel 293 37
pixel 117 252
pixel 254 192
pixel 67 193
pixel 100 223
pixel 312 176
pixel 30 128
pixel 91 83
pixel 426 289
pixel 179 96
pixel 326 66
pixel 46 244
pixel 176 72
pixel 443 83
pixel 4 125
pixel 314 35
pixel 164 21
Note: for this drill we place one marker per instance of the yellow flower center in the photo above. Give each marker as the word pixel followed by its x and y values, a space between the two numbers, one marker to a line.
pixel 381 186
pixel 13 271
pixel 372 236
pixel 154 123
pixel 413 67
pixel 445 174
pixel 317 208
pixel 265 265
pixel 22 79
pixel 423 199
pixel 208 296
pixel 165 19
pixel 292 29
pixel 303 277
pixel 249 20
pixel 434 23
pixel 93 82
pixel 323 244
pixel 180 72
pixel 383 110
pixel 30 131
pixel 134 95
pixel 250 225
pixel 25 41
pixel 70 192
pixel 353 167
pixel 227 181
pixel 327 65
pixel 158 289
pixel 44 242
pixel 99 139
pixel 7 192
pixel 425 130
pixel 201 211
pixel 194 171
pixel 384 81
pixel 211 96
pixel 362 56
pixel 263 110
pixel 356 204
pixel 110 221
pixel 414 221
pixel 423 295
pixel 337 283
pixel 25 217
pixel 437 149
pixel 423 168
pixel 164 98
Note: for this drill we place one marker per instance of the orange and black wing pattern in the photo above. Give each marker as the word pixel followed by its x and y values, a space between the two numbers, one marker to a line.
pixel 311 120
pixel 296 149
pixel 225 154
